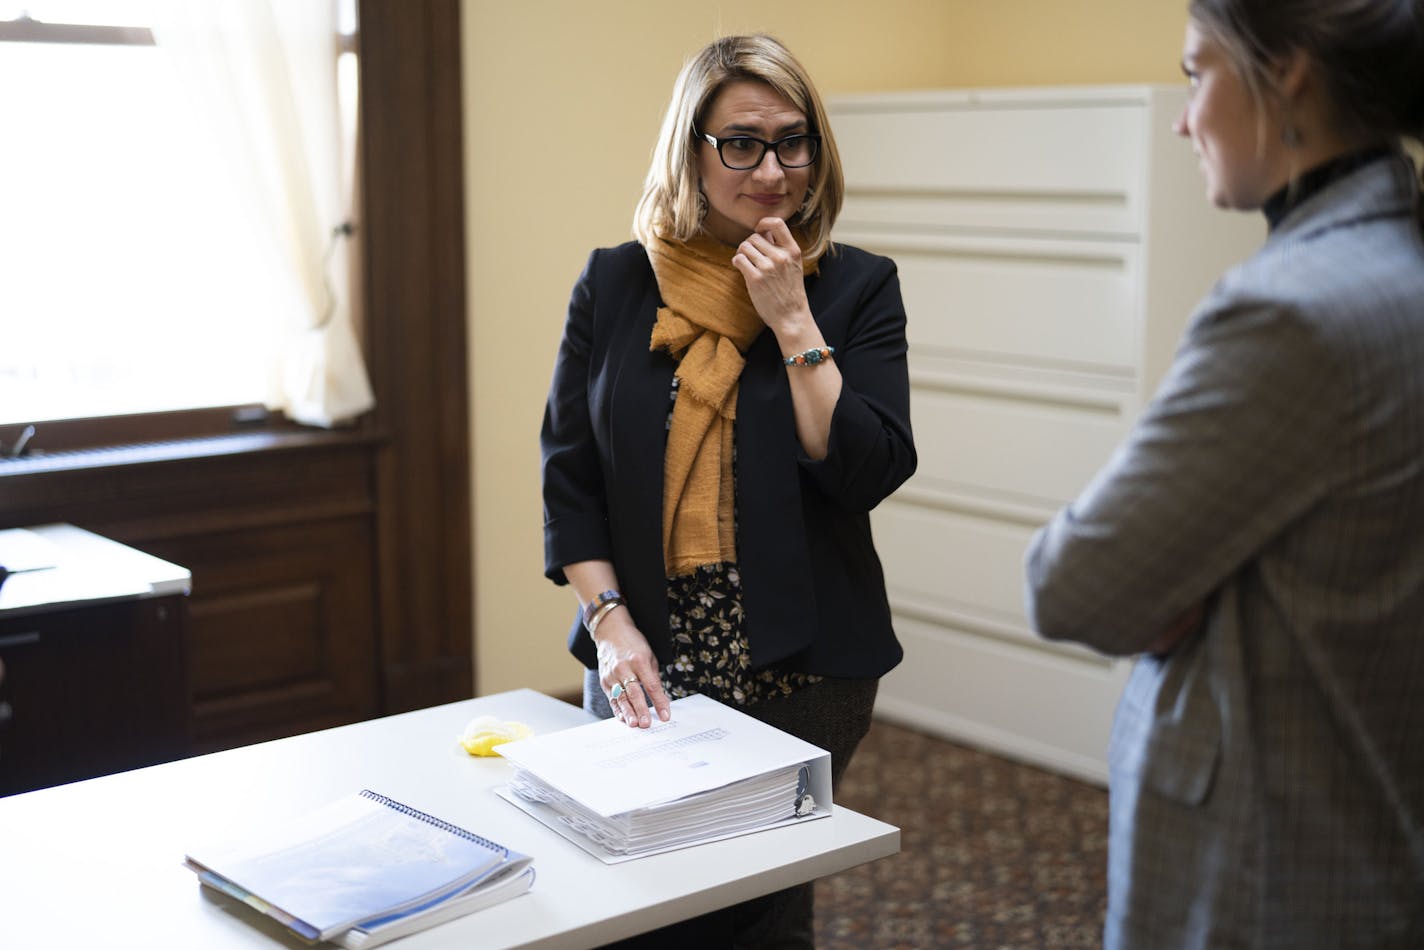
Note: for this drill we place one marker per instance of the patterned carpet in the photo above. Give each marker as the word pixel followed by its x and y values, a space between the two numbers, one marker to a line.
pixel 993 854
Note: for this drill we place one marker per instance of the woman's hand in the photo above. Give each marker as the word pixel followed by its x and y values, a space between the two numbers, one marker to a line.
pixel 626 660
pixel 770 261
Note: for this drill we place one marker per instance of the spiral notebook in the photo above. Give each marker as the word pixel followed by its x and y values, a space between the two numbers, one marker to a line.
pixel 362 870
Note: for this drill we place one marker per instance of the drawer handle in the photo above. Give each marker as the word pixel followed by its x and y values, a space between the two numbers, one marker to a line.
pixel 20 639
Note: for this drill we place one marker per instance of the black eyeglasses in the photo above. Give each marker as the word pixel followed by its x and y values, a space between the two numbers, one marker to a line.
pixel 742 152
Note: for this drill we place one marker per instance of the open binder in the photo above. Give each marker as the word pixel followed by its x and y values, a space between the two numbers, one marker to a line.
pixel 711 772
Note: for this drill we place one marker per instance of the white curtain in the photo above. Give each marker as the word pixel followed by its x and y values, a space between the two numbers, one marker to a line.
pixel 263 74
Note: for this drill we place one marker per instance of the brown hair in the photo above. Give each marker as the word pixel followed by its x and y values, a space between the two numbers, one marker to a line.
pixel 1369 53
pixel 670 205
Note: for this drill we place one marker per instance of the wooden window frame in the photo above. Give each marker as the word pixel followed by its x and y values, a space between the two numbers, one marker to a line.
pixel 411 228
pixel 24 29
pixel 60 436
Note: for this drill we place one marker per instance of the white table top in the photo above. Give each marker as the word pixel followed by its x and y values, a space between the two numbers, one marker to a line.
pixel 61 565
pixel 99 863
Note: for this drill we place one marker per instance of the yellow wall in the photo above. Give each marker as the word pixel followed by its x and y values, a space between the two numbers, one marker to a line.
pixel 562 104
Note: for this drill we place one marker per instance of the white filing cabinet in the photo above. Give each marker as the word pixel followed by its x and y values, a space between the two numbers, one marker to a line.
pixel 1051 245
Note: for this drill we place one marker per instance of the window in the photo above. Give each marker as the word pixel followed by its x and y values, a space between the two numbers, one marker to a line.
pixel 134 272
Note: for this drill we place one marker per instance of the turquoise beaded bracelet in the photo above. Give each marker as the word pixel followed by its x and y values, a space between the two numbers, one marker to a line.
pixel 811 357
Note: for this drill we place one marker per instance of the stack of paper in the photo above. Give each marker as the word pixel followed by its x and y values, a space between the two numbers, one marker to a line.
pixel 711 772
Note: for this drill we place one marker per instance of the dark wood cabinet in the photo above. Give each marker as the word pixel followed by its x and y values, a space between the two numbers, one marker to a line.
pixel 279 534
pixel 90 691
pixel 92 642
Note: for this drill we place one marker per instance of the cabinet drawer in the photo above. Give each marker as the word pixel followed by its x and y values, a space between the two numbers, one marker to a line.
pixel 955 561
pixel 1050 160
pixel 1042 302
pixel 1010 449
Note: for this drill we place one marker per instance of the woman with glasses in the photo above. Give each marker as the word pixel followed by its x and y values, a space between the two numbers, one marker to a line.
pixel 730 400
pixel 1259 537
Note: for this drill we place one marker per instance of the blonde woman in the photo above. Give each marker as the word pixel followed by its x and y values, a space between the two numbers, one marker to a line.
pixel 729 401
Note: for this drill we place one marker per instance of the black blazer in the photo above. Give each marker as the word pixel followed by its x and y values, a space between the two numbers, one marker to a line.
pixel 812 585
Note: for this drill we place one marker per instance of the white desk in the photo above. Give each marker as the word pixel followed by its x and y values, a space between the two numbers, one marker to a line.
pixel 99 863
pixel 92 638
pixel 63 566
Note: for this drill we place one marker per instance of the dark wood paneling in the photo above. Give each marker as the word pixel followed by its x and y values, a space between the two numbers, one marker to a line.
pixel 281 545
pixel 134 495
pixel 413 225
pixel 283 629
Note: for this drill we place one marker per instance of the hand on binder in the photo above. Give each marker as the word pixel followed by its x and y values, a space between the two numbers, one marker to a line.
pixel 711 772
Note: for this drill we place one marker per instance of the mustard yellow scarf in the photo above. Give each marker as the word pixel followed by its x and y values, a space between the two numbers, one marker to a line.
pixel 707 323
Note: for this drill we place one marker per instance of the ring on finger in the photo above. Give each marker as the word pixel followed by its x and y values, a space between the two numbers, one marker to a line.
pixel 617 693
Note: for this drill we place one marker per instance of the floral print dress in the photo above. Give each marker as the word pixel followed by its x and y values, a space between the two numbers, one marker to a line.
pixel 711 653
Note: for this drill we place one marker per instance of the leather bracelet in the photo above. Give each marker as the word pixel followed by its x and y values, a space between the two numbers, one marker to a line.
pixel 591 608
pixel 604 610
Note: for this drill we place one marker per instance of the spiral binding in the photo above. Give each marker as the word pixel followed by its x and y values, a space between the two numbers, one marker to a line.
pixel 432 820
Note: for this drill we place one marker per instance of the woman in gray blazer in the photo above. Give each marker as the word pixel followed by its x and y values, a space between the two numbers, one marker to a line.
pixel 1258 539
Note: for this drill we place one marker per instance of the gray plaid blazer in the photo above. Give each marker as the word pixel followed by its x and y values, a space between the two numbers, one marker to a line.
pixel 1267 776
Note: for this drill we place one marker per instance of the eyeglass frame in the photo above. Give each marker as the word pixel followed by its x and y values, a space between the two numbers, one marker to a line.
pixel 772 147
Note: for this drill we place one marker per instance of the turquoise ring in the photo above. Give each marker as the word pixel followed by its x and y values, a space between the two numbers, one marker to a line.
pixel 617 692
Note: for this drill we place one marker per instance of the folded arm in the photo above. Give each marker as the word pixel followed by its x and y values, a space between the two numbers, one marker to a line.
pixel 1225 457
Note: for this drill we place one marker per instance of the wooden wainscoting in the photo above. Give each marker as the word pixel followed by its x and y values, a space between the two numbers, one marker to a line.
pixel 279 533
